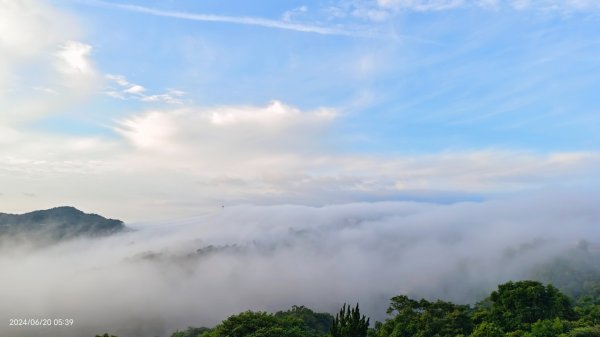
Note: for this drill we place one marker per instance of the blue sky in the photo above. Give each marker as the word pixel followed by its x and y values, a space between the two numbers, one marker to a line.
pixel 466 77
pixel 353 91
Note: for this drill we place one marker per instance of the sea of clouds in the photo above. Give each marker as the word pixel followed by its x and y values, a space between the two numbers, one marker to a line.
pixel 197 271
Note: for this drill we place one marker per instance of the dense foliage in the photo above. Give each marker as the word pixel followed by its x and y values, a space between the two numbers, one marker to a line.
pixel 515 309
pixel 257 324
pixel 517 305
pixel 424 319
pixel 313 323
pixel 349 323
pixel 190 332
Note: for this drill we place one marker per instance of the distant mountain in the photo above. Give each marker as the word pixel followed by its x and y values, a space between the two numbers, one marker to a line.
pixel 57 224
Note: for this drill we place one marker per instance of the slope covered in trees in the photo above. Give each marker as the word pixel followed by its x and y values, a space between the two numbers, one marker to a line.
pixel 56 224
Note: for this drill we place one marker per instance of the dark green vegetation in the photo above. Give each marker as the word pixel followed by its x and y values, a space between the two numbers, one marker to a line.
pixel 296 322
pixel 190 332
pixel 424 318
pixel 514 309
pixel 349 323
pixel 56 224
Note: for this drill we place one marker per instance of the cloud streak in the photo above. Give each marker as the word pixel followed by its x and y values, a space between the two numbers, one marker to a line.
pixel 378 11
pixel 442 5
pixel 238 20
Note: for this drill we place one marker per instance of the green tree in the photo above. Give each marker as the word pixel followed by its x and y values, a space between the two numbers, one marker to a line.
pixel 517 305
pixel 190 332
pixel 588 331
pixel 314 323
pixel 487 329
pixel 423 318
pixel 349 323
pixel 588 312
pixel 257 324
pixel 548 328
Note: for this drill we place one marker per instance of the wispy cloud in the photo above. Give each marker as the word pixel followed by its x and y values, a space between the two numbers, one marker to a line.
pixel 382 10
pixel 239 20
pixel 349 29
pixel 422 6
pixel 127 90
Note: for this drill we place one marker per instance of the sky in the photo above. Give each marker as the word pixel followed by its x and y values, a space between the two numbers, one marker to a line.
pixel 147 110
pixel 328 151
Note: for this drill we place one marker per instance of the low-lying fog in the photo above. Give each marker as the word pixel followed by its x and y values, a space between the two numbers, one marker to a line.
pixel 198 271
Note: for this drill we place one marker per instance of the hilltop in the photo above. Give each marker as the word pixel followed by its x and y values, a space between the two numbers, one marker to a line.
pixel 57 224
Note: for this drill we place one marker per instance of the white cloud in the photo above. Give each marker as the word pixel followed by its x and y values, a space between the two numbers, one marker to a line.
pixel 421 5
pixel 135 89
pixel 521 4
pixel 345 9
pixel 582 4
pixel 167 163
pixel 28 26
pixel 275 112
pixel 556 5
pixel 226 129
pixel 152 130
pixel 172 96
pixel 33 35
pixel 46 90
pixel 74 58
pixel 127 90
pixel 382 10
pixel 119 79
pixel 8 135
pixel 488 4
pixel 294 13
pixel 115 94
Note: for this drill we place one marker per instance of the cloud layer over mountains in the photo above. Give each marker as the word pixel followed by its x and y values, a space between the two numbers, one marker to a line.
pixel 197 271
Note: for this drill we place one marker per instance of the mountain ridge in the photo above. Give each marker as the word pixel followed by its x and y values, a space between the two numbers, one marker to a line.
pixel 58 223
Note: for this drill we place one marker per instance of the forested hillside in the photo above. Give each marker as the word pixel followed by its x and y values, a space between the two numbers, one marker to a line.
pixel 56 224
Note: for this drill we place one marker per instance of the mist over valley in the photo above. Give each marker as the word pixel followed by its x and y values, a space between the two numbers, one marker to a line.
pixel 159 277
